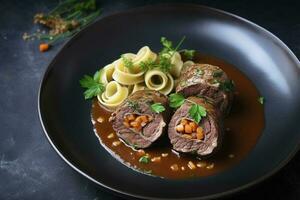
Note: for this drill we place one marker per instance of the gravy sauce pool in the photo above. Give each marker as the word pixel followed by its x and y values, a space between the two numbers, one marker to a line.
pixel 243 126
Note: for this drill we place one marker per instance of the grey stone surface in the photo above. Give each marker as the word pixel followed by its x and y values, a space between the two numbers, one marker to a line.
pixel 29 166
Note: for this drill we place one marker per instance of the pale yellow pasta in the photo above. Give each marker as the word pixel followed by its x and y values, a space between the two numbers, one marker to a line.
pixel 159 81
pixel 139 86
pixel 188 63
pixel 114 95
pixel 123 75
pixel 176 63
pixel 143 55
pixel 106 73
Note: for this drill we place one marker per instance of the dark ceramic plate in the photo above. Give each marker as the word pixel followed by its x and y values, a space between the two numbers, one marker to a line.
pixel 268 62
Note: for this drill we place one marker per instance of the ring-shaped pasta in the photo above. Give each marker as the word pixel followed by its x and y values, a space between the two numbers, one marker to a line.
pixel 114 95
pixel 159 81
pixel 106 74
pixel 169 86
pixel 143 55
pixel 124 76
pixel 137 87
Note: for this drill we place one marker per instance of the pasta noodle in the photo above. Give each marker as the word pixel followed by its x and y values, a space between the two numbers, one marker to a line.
pixel 143 55
pixel 106 73
pixel 114 95
pixel 159 81
pixel 138 87
pixel 176 62
pixel 123 75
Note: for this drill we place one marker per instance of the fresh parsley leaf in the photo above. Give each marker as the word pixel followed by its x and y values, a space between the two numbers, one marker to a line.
pixel 157 107
pixel 127 62
pixel 217 73
pixel 176 100
pixel 227 86
pixel 164 63
pixel 261 100
pixel 147 65
pixel 189 54
pixel 144 159
pixel 92 85
pixel 167 44
pixel 197 112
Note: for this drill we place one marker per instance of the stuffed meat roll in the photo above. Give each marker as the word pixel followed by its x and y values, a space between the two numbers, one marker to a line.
pixel 136 122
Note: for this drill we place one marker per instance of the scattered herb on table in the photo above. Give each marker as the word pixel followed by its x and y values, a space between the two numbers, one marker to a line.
pixel 196 111
pixel 65 20
pixel 92 84
pixel 157 107
pixel 261 100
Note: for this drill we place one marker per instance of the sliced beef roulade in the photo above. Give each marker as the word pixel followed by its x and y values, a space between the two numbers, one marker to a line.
pixel 188 136
pixel 208 81
pixel 136 123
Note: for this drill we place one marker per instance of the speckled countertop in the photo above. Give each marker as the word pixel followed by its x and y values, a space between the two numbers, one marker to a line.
pixel 29 166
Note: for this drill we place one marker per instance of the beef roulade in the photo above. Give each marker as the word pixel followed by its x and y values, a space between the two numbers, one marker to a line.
pixel 188 136
pixel 135 121
pixel 208 81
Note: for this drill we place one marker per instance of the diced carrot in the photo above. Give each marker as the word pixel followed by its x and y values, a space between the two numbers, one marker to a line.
pixel 193 126
pixel 131 117
pixel 44 47
pixel 184 122
pixel 188 128
pixel 134 124
pixel 180 128
pixel 200 134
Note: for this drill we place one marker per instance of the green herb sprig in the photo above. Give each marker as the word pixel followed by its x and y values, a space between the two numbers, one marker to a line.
pixel 261 100
pixel 144 159
pixel 127 62
pixel 196 111
pixel 157 107
pixel 92 84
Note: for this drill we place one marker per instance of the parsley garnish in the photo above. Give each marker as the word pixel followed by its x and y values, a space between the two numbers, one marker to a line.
pixel 157 107
pixel 147 65
pixel 227 86
pixel 261 100
pixel 176 100
pixel 199 72
pixel 196 111
pixel 127 62
pixel 217 73
pixel 144 159
pixel 189 54
pixel 92 84
pixel 134 105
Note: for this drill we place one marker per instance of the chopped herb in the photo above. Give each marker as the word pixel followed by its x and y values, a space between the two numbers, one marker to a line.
pixel 176 100
pixel 144 159
pixel 65 20
pixel 261 100
pixel 199 72
pixel 133 104
pixel 127 62
pixel 217 73
pixel 147 65
pixel 157 107
pixel 189 54
pixel 167 44
pixel 197 112
pixel 92 84
pixel 227 86
pixel 214 81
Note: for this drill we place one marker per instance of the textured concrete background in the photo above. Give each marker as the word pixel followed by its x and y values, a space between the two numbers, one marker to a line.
pixel 30 168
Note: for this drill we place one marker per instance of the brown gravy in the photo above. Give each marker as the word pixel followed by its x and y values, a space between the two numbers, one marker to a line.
pixel 243 127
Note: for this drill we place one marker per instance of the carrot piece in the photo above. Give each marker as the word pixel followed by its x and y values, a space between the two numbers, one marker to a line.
pixel 179 128
pixel 193 126
pixel 44 47
pixel 188 128
pixel 200 134
pixel 184 122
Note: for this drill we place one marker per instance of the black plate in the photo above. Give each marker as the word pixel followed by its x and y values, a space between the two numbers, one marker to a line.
pixel 273 68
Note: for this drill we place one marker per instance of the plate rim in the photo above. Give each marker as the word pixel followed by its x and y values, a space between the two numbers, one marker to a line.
pixel 155 6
